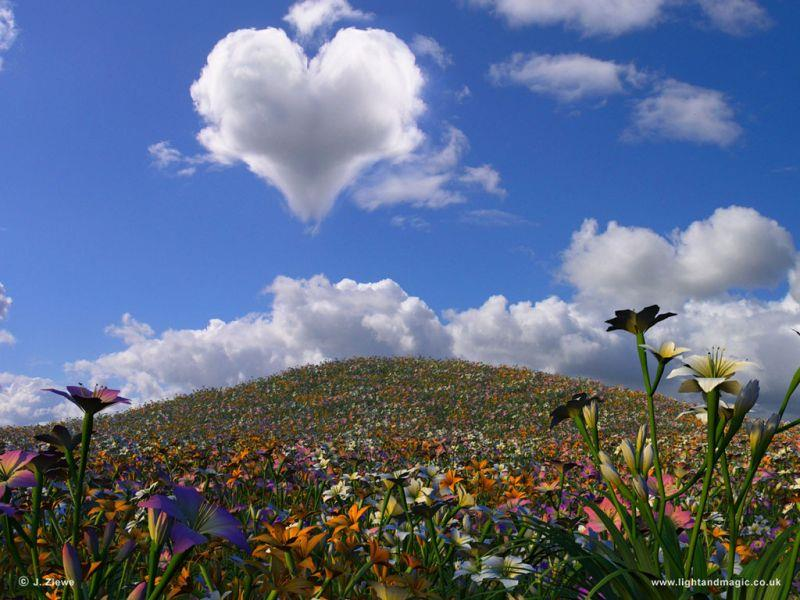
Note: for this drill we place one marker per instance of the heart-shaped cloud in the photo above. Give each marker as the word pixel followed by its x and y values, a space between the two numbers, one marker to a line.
pixel 309 127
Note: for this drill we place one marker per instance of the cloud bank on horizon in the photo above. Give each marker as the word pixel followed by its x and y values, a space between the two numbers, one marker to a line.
pixel 697 271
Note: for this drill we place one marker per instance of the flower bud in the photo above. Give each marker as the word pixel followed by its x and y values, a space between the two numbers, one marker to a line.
pixel 604 458
pixel 640 438
pixel 590 414
pixel 640 486
pixel 139 592
pixel 627 454
pixel 108 535
pixel 157 522
pixel 125 550
pixel 771 426
pixel 746 399
pixel 71 563
pixel 610 474
pixel 648 456
pixel 755 432
pixel 90 539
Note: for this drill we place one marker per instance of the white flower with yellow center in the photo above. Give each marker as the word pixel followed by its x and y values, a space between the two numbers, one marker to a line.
pixel 666 351
pixel 710 372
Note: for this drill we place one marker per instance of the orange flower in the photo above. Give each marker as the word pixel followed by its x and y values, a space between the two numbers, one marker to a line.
pixel 349 520
pixel 449 481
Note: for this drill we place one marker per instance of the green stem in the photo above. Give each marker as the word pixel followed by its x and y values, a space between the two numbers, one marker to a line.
pixel 173 566
pixel 36 509
pixel 355 578
pixel 86 437
pixel 733 524
pixel 651 414
pixel 712 403
pixel 152 566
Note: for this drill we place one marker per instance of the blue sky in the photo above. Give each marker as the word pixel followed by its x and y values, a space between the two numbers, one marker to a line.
pixel 654 123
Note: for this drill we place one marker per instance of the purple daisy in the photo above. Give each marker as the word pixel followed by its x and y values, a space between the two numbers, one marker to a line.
pixel 90 401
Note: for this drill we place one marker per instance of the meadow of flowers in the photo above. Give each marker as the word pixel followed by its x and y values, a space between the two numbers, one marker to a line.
pixel 411 478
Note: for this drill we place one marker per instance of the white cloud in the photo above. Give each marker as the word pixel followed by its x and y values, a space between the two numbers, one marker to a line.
pixel 616 17
pixel 422 45
pixel 129 330
pixel 165 156
pixel 309 16
pixel 683 112
pixel 700 272
pixel 735 248
pixel 492 217
pixel 5 304
pixel 486 177
pixel 794 281
pixel 8 28
pixel 310 321
pixel 568 77
pixel 310 127
pixel 736 17
pixel 590 17
pixel 22 401
pixel 424 180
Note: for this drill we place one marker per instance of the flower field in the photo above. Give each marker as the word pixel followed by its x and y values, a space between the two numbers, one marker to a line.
pixel 377 478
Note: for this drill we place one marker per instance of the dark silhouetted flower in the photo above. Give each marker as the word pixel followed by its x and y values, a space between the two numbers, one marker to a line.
pixel 91 401
pixel 572 408
pixel 194 519
pixel 61 438
pixel 637 322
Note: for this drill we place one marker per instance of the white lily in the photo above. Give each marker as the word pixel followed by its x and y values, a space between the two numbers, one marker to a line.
pixel 710 372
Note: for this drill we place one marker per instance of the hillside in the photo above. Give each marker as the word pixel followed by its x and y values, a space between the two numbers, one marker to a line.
pixel 371 403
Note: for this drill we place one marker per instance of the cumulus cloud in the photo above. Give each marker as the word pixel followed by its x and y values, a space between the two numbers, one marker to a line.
pixel 22 401
pixel 590 17
pixel 311 320
pixel 567 77
pixel 8 28
pixel 165 156
pixel 794 281
pixel 703 272
pixel 308 16
pixel 683 112
pixel 422 45
pixel 735 249
pixel 310 127
pixel 129 330
pixel 5 304
pixel 736 17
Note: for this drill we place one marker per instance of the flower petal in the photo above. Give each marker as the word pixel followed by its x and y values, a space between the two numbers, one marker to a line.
pixel 184 538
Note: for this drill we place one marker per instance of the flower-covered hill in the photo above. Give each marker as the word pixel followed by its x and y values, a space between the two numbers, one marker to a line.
pixel 377 478
pixel 401 407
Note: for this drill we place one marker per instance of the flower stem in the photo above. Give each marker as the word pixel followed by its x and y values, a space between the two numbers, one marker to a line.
pixel 651 413
pixel 712 400
pixel 173 566
pixel 86 438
